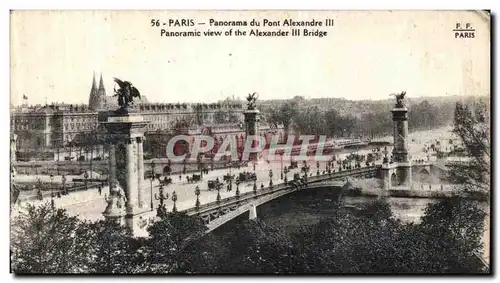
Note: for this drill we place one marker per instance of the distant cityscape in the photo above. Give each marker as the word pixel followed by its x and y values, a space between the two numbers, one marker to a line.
pixel 56 126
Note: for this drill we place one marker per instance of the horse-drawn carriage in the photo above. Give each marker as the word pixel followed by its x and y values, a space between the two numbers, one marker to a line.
pixel 228 177
pixel 195 178
pixel 305 168
pixel 296 176
pixel 247 177
pixel 213 184
pixel 293 165
pixel 166 181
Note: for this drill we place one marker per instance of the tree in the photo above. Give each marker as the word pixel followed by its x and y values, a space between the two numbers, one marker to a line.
pixel 113 249
pixel 285 115
pixel 260 248
pixel 169 239
pixel 452 230
pixel 472 126
pixel 46 240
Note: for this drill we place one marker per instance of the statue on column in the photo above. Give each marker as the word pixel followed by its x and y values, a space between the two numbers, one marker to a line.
pixel 252 99
pixel 125 93
pixel 400 99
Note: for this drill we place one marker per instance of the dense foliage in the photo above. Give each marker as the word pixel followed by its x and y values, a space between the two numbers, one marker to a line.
pixel 370 240
pixel 343 118
pixel 472 126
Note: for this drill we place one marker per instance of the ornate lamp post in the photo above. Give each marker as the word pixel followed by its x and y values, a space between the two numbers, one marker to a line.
pixel 218 188
pixel 174 199
pixel 52 183
pixel 63 180
pixel 270 178
pixel 52 203
pixel 286 172
pixel 86 177
pixel 162 209
pixel 282 166
pixel 237 188
pixel 197 193
pixel 151 182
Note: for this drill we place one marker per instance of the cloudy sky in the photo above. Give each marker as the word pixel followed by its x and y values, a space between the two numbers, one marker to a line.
pixel 366 55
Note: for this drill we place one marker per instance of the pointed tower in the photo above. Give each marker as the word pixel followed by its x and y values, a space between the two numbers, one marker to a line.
pixel 93 99
pixel 101 94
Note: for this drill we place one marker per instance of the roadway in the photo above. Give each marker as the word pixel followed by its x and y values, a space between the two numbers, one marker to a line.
pixel 90 205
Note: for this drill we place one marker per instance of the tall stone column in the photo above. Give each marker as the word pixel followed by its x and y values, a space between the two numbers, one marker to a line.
pixel 140 171
pixel 400 151
pixel 132 183
pixel 112 166
pixel 114 210
pixel 125 130
pixel 252 120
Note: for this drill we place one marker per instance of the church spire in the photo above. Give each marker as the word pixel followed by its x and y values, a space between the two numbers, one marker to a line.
pixel 93 100
pixel 101 90
pixel 94 87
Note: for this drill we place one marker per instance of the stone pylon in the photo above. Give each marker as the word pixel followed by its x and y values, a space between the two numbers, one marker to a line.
pixel 126 162
pixel 252 122
pixel 400 152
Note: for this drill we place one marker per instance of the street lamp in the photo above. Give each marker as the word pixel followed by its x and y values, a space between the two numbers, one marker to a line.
pixel 174 199
pixel 151 180
pixel 63 180
pixel 218 188
pixel 162 210
pixel 282 166
pixel 52 203
pixel 52 183
pixel 197 193
pixel 86 177
pixel 270 178
pixel 237 188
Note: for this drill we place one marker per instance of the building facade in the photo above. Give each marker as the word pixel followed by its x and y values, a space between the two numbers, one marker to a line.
pixel 44 129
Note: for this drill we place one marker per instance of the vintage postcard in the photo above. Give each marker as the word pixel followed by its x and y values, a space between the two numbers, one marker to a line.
pixel 250 142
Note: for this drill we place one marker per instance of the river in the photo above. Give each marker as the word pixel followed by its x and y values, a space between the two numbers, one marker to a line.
pixel 308 207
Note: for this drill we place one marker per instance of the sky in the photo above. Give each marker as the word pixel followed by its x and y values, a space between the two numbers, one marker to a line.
pixel 365 55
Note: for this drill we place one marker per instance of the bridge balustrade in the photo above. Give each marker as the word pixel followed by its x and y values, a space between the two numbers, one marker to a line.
pixel 207 207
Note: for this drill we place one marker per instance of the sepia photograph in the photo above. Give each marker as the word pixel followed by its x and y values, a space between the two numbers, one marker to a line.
pixel 246 142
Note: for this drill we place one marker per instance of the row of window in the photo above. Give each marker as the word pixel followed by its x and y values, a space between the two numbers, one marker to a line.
pixel 81 126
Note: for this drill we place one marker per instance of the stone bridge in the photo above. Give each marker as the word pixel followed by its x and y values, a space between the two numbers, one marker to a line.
pixel 216 214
